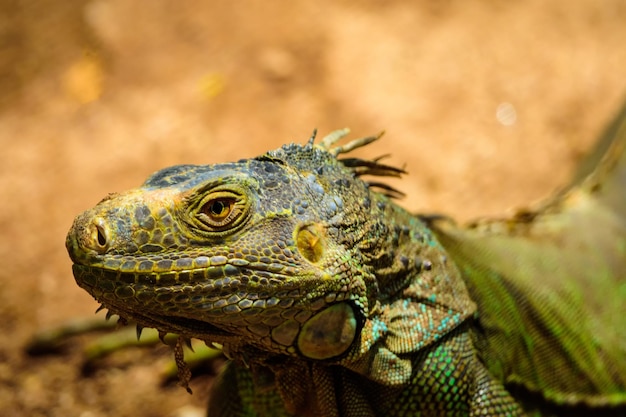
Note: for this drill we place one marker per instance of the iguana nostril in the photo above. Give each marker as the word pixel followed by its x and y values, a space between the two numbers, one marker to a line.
pixel 99 235
pixel 102 241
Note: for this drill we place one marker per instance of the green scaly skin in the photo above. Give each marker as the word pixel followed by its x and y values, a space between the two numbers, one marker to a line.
pixel 330 299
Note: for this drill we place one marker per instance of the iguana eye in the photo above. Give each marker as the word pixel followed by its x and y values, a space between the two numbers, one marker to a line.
pixel 220 211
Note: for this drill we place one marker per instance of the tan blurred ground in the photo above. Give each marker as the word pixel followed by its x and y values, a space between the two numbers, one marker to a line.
pixel 489 105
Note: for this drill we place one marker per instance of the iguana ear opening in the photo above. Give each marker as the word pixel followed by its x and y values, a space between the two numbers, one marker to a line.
pixel 310 242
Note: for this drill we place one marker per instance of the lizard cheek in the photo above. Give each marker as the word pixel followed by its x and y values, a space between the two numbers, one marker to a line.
pixel 329 333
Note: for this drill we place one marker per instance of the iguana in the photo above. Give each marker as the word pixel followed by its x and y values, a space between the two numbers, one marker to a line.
pixel 332 300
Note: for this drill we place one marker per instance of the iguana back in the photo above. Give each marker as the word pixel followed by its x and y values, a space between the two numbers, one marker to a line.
pixel 550 286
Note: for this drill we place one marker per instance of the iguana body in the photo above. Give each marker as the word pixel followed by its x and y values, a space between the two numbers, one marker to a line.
pixel 331 300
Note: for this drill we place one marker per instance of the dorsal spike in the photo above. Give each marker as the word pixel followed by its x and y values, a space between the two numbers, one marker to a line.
pixel 311 140
pixel 386 189
pixel 372 167
pixel 354 144
pixel 359 166
pixel 333 137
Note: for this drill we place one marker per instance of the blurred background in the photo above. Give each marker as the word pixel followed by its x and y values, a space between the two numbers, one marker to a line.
pixel 487 104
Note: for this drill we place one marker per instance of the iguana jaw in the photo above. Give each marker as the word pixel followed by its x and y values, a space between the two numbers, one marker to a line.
pixel 280 318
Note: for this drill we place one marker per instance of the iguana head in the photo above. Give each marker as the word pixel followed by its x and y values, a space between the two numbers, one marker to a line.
pixel 290 252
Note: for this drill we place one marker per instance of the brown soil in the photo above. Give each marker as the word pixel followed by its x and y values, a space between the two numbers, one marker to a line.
pixel 489 105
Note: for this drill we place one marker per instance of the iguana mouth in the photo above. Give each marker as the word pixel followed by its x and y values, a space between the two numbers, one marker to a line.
pixel 189 328
pixel 228 277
